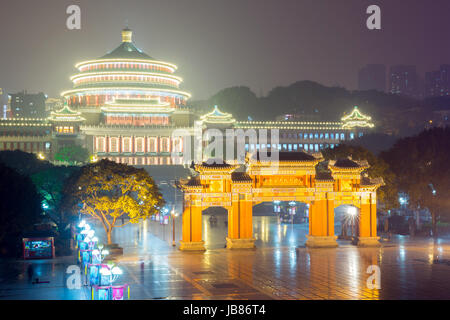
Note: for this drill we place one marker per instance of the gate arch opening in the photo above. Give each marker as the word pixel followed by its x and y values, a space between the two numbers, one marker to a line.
pixel 346 222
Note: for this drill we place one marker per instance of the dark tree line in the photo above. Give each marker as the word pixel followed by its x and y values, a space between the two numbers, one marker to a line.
pixel 421 164
pixel 418 166
pixel 20 209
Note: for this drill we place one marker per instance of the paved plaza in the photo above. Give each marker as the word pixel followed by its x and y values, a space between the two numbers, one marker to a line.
pixel 280 268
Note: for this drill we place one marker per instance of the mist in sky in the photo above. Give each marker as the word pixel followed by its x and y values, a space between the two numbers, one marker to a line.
pixel 218 43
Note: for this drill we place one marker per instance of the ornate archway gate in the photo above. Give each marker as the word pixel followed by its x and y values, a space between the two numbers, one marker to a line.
pixel 292 178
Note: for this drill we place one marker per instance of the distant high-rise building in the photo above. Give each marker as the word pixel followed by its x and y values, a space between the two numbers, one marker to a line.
pixel 404 80
pixel 27 105
pixel 437 82
pixel 372 77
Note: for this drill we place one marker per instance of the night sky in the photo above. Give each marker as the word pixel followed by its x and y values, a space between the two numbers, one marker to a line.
pixel 222 43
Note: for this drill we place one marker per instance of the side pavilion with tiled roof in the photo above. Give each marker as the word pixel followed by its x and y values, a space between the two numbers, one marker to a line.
pixel 281 176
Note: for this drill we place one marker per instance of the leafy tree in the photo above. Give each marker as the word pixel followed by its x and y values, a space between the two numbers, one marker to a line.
pixel 20 208
pixel 388 194
pixel 421 164
pixel 49 184
pixel 108 191
pixel 72 154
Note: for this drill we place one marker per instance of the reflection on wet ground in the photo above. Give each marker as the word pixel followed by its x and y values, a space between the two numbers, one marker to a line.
pixel 280 267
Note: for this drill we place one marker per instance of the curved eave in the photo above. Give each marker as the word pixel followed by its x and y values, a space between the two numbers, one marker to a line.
pixel 130 73
pixel 219 121
pixel 351 125
pixel 154 62
pixel 99 89
pixel 227 169
pixel 137 110
pixel 78 119
pixel 347 169
pixel 286 162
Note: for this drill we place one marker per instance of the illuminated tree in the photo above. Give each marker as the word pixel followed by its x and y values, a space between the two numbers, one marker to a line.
pixel 109 191
pixel 72 154
pixel 49 184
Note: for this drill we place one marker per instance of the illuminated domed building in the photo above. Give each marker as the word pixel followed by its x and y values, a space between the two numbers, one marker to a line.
pixel 125 73
pixel 131 103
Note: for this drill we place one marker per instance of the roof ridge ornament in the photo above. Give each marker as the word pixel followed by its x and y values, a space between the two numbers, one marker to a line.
pixel 127 35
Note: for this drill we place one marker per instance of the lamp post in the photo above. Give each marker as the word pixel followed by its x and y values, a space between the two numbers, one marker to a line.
pixel 173 226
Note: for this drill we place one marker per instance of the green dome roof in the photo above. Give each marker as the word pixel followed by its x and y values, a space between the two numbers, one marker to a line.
pixel 127 49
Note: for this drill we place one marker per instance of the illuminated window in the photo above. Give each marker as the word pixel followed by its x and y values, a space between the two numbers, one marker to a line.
pixel 178 145
pixel 342 136
pixel 316 136
pixel 126 144
pixel 113 145
pixel 100 144
pixel 326 136
pixel 139 144
pixel 305 136
pixel 331 136
pixel 165 145
pixel 311 136
pixel 352 135
pixel 321 136
pixel 153 145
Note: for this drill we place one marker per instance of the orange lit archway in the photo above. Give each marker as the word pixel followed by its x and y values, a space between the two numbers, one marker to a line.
pixel 291 178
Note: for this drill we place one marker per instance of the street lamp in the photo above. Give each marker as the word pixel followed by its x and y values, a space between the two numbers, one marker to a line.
pixel 352 213
pixel 112 273
pixel 173 213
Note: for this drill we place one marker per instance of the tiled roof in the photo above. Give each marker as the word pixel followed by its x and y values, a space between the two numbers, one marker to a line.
pixel 285 156
pixel 193 182
pixel 346 163
pixel 215 163
pixel 240 177
pixel 324 176
pixel 127 50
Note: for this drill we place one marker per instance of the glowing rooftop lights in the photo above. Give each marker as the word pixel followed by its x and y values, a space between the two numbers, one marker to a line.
pixel 142 62
pixel 217 116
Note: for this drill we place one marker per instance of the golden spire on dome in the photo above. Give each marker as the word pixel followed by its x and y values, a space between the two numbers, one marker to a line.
pixel 127 34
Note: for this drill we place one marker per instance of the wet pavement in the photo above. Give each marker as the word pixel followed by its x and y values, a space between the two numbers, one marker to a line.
pixel 279 268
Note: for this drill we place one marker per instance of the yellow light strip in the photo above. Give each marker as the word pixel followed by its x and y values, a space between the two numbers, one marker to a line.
pixel 124 60
pixel 65 93
pixel 120 73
